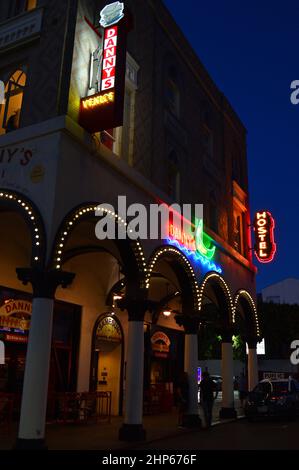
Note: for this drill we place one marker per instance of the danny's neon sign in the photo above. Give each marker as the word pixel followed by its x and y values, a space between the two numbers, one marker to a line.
pixel 265 246
pixel 104 109
pixel 195 243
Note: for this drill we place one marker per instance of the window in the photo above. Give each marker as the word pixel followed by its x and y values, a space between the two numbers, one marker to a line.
pixel 208 141
pixel 239 233
pixel 173 177
pixel 20 6
pixel 172 91
pixel 213 213
pixel 10 111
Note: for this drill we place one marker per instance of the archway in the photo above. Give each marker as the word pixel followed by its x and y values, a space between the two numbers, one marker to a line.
pixel 107 359
pixel 103 269
pixel 23 243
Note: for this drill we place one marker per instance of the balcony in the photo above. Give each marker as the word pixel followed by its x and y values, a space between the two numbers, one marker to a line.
pixel 20 29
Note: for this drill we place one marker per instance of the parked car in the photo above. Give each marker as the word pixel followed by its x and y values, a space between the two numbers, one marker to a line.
pixel 273 398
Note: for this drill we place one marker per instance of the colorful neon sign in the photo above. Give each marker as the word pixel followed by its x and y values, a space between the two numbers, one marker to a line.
pixel 197 244
pixel 265 246
pixel 104 109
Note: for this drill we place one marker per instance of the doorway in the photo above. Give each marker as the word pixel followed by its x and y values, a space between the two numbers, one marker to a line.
pixel 107 360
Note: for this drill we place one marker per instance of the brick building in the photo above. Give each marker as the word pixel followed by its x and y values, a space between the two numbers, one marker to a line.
pixel 180 141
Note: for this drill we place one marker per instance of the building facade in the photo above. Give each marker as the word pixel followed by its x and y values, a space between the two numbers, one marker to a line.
pixel 126 312
pixel 283 292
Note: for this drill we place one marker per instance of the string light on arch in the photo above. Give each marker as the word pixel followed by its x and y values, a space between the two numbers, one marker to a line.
pixel 220 279
pixel 34 221
pixel 245 293
pixel 170 250
pixel 75 218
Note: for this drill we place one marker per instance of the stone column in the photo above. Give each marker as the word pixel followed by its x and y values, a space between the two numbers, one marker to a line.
pixel 253 376
pixel 191 325
pixel 227 370
pixel 35 388
pixel 132 428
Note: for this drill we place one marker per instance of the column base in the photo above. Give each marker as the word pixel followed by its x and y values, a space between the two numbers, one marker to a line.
pixel 30 444
pixel 191 421
pixel 132 432
pixel 227 413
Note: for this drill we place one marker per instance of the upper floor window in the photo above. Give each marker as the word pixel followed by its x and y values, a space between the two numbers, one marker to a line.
pixel 173 177
pixel 172 92
pixel 20 6
pixel 213 213
pixel 238 233
pixel 10 111
pixel 208 141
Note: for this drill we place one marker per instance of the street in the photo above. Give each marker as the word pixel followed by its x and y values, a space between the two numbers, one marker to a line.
pixel 238 435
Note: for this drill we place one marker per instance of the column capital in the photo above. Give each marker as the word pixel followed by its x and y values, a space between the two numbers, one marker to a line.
pixel 44 283
pixel 252 342
pixel 136 308
pixel 226 335
pixel 189 323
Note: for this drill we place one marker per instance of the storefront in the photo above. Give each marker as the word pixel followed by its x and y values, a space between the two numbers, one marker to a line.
pixel 15 316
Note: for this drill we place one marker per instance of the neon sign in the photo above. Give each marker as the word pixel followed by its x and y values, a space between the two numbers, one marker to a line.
pixel 198 245
pixel 104 109
pixel 265 246
pixel 97 100
pixel 112 14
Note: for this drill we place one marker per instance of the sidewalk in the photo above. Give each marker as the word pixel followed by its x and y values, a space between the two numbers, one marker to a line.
pixel 105 436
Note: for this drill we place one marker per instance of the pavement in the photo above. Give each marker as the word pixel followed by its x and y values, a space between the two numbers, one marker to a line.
pixel 103 436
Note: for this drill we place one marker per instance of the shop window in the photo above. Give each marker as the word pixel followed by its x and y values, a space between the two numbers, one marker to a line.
pixel 20 6
pixel 11 110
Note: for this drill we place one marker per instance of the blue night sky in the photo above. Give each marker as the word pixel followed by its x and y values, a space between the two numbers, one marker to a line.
pixel 250 49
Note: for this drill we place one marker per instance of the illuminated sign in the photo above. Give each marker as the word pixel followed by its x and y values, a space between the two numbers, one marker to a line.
pixel 104 109
pixel 265 246
pixel 160 344
pixel 195 243
pixel 108 330
pixel 97 100
pixel 15 314
pixel 112 14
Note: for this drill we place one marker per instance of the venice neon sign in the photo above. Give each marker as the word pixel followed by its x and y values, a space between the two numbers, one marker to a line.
pixel 195 243
pixel 265 246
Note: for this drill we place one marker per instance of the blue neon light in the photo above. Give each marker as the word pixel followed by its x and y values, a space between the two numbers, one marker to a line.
pixel 197 257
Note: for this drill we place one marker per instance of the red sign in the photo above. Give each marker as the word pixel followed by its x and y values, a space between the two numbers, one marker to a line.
pixel 265 246
pixel 13 338
pixel 104 110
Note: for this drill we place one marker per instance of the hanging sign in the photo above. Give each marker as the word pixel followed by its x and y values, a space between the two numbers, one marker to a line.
pixel 160 344
pixel 265 246
pixel 15 315
pixel 104 109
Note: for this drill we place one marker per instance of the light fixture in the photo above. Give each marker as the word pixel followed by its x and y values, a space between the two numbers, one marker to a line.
pixel 167 311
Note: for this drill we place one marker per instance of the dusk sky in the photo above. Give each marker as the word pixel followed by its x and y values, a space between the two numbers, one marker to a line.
pixel 250 49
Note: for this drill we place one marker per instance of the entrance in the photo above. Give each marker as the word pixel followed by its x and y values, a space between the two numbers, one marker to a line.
pixel 15 316
pixel 107 360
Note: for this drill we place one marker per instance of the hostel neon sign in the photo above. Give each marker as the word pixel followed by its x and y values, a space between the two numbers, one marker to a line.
pixel 195 243
pixel 265 246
